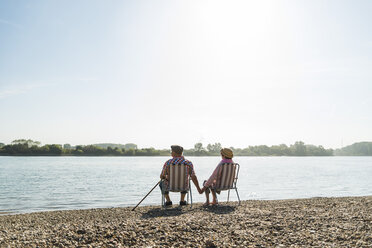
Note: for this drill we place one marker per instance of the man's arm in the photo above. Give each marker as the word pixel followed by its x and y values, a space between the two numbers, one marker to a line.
pixel 163 174
pixel 196 183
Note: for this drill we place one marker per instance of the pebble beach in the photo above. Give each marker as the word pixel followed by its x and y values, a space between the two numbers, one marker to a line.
pixel 315 222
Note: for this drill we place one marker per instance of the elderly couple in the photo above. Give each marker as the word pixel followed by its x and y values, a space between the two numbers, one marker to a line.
pixel 208 185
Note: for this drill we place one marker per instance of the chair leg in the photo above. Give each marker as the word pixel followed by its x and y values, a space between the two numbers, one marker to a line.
pixel 228 196
pixel 162 196
pixel 190 197
pixel 162 200
pixel 236 189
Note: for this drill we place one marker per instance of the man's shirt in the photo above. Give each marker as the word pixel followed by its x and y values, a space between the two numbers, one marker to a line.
pixel 174 161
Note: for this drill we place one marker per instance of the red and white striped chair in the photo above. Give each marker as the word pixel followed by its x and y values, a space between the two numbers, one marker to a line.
pixel 178 181
pixel 227 179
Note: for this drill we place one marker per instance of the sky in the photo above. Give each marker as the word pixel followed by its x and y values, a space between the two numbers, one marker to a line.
pixel 157 73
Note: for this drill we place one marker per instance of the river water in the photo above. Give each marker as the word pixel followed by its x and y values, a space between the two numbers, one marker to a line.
pixel 30 184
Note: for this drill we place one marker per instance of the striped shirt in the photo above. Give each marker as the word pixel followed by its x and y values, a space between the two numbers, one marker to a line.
pixel 173 161
pixel 216 173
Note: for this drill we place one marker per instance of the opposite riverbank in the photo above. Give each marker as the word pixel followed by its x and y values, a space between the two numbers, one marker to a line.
pixel 315 222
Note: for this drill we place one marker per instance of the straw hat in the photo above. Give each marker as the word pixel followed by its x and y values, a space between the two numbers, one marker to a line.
pixel 227 153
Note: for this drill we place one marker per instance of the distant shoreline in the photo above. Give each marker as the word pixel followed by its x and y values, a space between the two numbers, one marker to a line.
pixel 25 155
pixel 298 149
pixel 320 222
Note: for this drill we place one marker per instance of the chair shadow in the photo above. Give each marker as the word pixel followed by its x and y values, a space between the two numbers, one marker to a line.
pixel 220 209
pixel 160 212
pixel 177 211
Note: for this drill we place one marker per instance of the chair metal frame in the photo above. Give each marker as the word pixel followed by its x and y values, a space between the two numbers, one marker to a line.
pixel 189 193
pixel 235 181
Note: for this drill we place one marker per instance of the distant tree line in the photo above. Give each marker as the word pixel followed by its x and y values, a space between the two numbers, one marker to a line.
pixel 356 149
pixel 23 147
pixel 297 149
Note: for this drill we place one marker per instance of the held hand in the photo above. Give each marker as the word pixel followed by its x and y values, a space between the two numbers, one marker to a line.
pixel 201 191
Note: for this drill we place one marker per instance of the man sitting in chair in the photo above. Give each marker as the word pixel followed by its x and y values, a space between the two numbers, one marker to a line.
pixel 210 184
pixel 177 158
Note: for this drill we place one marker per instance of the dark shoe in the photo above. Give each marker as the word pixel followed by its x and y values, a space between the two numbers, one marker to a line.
pixel 183 203
pixel 168 203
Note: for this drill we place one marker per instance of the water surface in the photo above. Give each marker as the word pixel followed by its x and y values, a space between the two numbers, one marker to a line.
pixel 29 184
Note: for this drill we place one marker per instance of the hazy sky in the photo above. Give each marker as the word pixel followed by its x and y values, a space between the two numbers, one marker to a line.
pixel 157 73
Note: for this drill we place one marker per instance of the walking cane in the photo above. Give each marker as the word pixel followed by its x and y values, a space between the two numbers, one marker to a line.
pixel 146 195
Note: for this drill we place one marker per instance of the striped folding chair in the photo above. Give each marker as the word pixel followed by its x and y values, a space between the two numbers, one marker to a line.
pixel 178 181
pixel 227 178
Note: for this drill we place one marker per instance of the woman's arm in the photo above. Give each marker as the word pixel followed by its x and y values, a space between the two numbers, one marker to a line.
pixel 212 178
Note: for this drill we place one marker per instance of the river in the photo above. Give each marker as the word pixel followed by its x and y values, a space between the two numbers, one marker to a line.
pixel 30 184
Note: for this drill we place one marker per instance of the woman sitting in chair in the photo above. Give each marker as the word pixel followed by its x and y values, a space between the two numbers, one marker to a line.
pixel 210 184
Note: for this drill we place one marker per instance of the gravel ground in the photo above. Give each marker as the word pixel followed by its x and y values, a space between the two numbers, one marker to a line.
pixel 315 222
